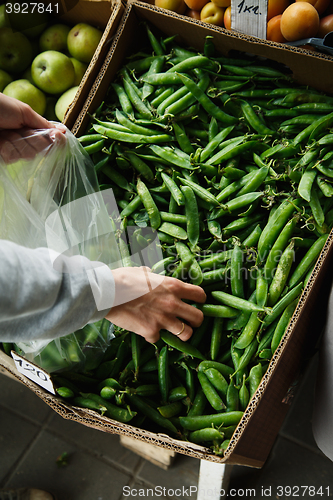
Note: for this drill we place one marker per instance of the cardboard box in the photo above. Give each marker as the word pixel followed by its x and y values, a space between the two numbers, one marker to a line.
pixel 104 15
pixel 257 431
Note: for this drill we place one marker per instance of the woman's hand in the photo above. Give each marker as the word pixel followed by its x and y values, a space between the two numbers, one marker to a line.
pixel 154 303
pixel 23 132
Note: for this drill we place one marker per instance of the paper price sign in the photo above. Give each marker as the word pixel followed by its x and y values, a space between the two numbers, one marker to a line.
pixel 33 372
pixel 249 17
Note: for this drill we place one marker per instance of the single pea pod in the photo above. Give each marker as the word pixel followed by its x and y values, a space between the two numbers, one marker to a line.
pixel 273 227
pixel 151 413
pixel 216 338
pixel 176 343
pixel 237 302
pixel 163 373
pixel 281 274
pixel 192 215
pixel 307 261
pixel 282 325
pixel 217 380
pixel 193 423
pixel 204 435
pixel 149 204
pixel 211 394
pixel 254 378
pixel 244 395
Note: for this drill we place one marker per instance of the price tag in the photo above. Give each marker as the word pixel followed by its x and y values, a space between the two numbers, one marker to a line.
pixel 249 17
pixel 33 372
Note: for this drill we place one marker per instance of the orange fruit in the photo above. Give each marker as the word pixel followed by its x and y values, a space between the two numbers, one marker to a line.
pixel 276 7
pixel 325 26
pixel 299 20
pixel 274 30
pixel 227 18
pixel 319 5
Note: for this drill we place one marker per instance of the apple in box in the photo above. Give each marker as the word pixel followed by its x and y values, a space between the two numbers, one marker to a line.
pixel 82 41
pixel 24 91
pixel 15 51
pixel 53 72
pixel 54 38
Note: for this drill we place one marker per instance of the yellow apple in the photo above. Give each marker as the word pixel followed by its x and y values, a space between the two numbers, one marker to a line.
pixel 212 14
pixel 178 6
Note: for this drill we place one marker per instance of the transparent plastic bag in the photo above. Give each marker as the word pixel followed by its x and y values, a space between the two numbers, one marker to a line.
pixel 50 198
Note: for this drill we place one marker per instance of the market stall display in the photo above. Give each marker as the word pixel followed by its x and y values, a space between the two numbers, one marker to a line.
pixel 230 161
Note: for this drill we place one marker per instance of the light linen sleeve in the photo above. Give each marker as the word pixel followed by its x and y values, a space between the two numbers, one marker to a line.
pixel 44 298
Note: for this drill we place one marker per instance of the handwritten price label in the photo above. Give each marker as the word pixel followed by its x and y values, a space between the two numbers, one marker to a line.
pixel 33 372
pixel 249 17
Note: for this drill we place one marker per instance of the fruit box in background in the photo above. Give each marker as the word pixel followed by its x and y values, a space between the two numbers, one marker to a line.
pixel 259 426
pixel 103 14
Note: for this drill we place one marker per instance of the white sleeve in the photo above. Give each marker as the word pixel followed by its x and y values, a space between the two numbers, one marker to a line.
pixel 43 298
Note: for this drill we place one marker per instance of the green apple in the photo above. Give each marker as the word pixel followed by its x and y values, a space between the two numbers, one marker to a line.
pixel 5 79
pixel 29 20
pixel 53 72
pixel 64 101
pixel 54 38
pixel 80 69
pixel 24 91
pixel 3 16
pixel 82 41
pixel 15 51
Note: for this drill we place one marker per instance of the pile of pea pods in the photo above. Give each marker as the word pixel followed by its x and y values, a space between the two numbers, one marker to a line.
pixel 231 162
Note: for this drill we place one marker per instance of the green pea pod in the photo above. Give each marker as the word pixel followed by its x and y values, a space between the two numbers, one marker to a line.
pixel 199 403
pixel 200 191
pixel 211 394
pixel 289 297
pixel 149 204
pixel 254 378
pixel 163 373
pixel 173 188
pixel 206 102
pixel 193 423
pixel 255 122
pixel 192 214
pixel 232 397
pixel 246 357
pixel 216 337
pixel 316 208
pixel 204 435
pixel 236 272
pixel 176 343
pixel 281 274
pixel 224 369
pixel 170 410
pixel 234 204
pixel 237 302
pixel 151 413
pixel 195 273
pixel 306 182
pixel 307 261
pixel 244 395
pixel 274 226
pixel 282 325
pixel 120 414
pixel 249 332
pixel 215 311
pixel 217 380
pixel 278 247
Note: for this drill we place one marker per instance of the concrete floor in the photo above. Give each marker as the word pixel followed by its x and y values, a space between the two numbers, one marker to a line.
pixel 32 437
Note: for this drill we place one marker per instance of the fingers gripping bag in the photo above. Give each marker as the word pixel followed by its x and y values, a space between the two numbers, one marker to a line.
pixel 49 197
